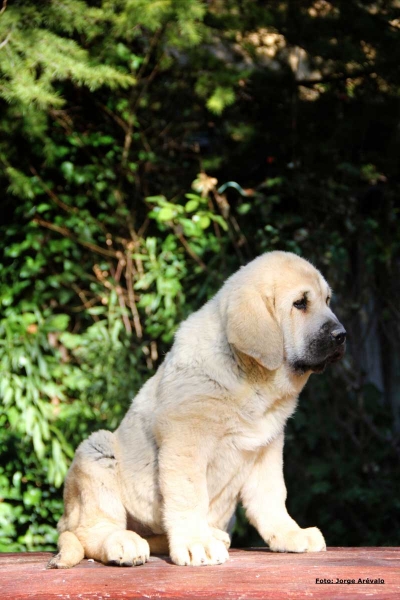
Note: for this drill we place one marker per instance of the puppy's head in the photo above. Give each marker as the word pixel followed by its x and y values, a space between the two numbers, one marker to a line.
pixel 277 310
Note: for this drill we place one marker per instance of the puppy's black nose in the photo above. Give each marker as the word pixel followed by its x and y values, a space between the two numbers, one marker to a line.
pixel 339 336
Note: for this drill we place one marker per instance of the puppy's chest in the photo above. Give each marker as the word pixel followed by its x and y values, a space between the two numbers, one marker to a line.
pixel 259 420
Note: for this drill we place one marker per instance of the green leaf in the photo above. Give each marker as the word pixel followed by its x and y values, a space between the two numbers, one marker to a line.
pixel 204 221
pixel 41 208
pixel 70 340
pixel 159 200
pixel 220 99
pixel 57 323
pixel 244 208
pixel 221 221
pixel 192 205
pixel 96 310
pixel 166 214
pixel 32 497
pixel 199 199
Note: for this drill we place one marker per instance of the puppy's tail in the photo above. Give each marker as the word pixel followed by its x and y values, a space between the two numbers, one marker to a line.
pixel 70 552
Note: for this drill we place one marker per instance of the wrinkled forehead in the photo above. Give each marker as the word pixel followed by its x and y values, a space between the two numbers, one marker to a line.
pixel 302 280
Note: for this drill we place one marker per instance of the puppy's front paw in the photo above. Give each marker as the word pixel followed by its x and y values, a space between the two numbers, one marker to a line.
pixel 125 549
pixel 222 536
pixel 201 551
pixel 298 540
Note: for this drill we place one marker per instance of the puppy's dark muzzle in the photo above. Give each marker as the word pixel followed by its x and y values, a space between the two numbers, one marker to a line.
pixel 330 346
pixel 326 348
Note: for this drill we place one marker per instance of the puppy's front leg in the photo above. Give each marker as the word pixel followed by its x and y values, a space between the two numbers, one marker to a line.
pixel 183 458
pixel 264 497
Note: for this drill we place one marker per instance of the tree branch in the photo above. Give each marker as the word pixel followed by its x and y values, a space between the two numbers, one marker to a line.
pixel 7 39
pixel 131 296
pixel 67 233
pixel 52 195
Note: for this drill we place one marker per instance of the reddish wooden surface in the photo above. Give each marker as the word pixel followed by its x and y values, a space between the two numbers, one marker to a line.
pixel 252 574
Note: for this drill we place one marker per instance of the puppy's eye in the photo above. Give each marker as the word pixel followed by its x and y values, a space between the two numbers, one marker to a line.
pixel 328 300
pixel 301 304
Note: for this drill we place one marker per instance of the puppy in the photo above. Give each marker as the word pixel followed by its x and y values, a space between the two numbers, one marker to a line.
pixel 207 430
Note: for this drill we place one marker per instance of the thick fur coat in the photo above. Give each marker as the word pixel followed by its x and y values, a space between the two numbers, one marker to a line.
pixel 207 430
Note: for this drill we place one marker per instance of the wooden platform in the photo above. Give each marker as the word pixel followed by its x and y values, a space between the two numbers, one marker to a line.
pixel 252 573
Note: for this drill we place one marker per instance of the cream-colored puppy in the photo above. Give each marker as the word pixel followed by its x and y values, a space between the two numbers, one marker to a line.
pixel 207 430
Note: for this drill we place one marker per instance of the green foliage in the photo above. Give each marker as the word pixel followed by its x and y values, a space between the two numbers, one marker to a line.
pixel 118 121
pixel 30 384
pixel 37 54
pixel 220 99
pixel 348 460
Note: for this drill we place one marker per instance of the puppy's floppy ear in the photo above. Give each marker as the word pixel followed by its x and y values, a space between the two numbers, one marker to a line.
pixel 252 328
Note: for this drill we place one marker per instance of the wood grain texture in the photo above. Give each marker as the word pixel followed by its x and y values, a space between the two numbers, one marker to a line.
pixel 249 574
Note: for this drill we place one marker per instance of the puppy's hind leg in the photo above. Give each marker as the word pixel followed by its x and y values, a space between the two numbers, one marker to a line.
pixel 70 552
pixel 94 522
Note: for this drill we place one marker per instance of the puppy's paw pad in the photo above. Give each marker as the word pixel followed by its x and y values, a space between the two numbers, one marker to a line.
pixel 198 553
pixel 221 536
pixel 125 549
pixel 298 540
pixel 217 552
pixel 316 541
